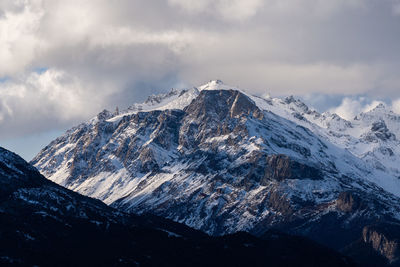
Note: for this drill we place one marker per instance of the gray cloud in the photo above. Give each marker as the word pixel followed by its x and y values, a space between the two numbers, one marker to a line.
pixel 106 53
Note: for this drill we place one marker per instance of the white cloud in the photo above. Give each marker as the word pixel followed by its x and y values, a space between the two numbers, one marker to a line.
pixel 286 78
pixel 40 101
pixel 19 25
pixel 192 5
pixel 100 53
pixel 232 10
pixel 120 37
pixel 228 9
pixel 350 107
pixel 396 106
pixel 396 7
pixel 239 9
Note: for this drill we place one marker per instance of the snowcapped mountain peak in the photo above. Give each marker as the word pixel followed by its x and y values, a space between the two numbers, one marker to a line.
pixel 174 99
pixel 217 81
pixel 204 153
pixel 382 115
pixel 297 105
pixel 217 85
pixel 380 106
pixel 156 99
pixel 336 119
pixel 289 99
pixel 222 160
pixel 380 111
pixel 104 115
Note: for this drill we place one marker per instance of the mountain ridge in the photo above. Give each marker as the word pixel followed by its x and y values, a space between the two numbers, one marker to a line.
pixel 229 161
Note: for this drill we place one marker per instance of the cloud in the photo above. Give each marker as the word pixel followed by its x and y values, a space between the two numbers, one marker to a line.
pixel 350 107
pixel 396 106
pixel 284 78
pixel 239 10
pixel 99 54
pixel 41 101
pixel 19 24
pixel 396 7
pixel 228 9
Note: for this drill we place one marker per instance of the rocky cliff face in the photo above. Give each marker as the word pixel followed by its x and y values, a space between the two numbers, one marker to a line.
pixel 384 238
pixel 220 160
pixel 349 202
pixel 281 167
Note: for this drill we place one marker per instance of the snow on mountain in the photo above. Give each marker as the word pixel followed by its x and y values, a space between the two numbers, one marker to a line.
pixel 370 136
pixel 342 133
pixel 175 99
pixel 221 160
pixel 217 85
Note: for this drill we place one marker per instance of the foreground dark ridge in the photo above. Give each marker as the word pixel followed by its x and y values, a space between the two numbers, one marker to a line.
pixel 43 224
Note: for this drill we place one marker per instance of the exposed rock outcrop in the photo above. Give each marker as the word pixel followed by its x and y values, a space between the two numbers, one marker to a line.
pixel 380 131
pixel 385 239
pixel 348 202
pixel 281 167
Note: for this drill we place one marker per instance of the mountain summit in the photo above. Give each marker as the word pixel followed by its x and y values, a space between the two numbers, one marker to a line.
pixel 221 160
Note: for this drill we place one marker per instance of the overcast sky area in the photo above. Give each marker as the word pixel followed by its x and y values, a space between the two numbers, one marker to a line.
pixel 62 62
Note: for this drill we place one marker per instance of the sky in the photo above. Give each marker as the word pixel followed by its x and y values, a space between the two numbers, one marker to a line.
pixel 62 62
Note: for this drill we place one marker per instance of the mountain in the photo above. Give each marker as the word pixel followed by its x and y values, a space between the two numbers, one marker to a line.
pixel 221 160
pixel 44 224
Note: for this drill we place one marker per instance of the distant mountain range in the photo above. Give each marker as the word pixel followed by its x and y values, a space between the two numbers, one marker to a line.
pixel 223 161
